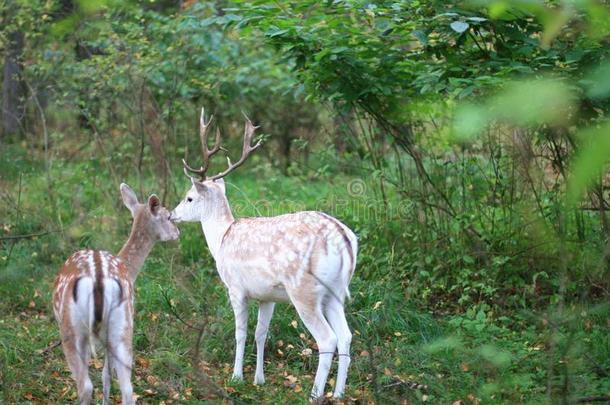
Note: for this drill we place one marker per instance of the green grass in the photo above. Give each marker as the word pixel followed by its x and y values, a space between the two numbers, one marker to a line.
pixel 478 355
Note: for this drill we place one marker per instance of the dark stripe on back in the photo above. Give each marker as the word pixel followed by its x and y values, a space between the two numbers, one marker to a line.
pixel 74 292
pixel 342 232
pixel 98 289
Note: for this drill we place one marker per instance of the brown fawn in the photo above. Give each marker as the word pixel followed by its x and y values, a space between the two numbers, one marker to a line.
pixel 306 258
pixel 94 295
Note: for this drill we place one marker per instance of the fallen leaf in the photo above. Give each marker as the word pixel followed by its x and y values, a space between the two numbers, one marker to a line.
pixel 152 380
pixel 142 362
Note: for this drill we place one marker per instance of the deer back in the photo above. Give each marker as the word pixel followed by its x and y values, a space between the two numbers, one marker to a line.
pixel 287 248
pixel 91 277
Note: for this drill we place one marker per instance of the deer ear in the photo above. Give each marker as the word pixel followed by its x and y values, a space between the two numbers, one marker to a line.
pixel 199 186
pixel 154 204
pixel 221 183
pixel 129 198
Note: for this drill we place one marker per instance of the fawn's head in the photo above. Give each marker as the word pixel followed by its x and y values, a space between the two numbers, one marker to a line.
pixel 150 218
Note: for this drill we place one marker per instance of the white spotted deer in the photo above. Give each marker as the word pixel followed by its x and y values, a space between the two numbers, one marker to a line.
pixel 306 258
pixel 94 295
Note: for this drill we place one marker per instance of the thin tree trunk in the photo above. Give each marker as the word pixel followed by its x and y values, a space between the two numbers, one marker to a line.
pixel 13 89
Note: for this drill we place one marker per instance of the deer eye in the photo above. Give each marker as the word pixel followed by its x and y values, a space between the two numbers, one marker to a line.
pixel 189 199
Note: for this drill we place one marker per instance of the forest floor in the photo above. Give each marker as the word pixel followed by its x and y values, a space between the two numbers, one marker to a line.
pixel 467 358
pixel 183 343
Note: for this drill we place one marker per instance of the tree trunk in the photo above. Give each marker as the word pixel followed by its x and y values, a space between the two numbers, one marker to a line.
pixel 13 88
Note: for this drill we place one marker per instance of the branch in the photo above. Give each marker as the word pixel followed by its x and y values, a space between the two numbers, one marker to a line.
pixel 174 312
pixel 27 236
pixel 593 399
pixel 48 349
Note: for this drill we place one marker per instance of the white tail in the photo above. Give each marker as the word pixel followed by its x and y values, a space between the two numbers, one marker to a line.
pixel 306 258
pixel 93 299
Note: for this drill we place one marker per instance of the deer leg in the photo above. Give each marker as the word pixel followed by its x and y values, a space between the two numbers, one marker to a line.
pixel 76 350
pixel 123 363
pixel 335 313
pixel 107 377
pixel 240 309
pixel 265 312
pixel 325 337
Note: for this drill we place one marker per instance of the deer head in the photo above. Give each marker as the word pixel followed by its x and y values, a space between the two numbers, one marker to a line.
pixel 207 194
pixel 150 218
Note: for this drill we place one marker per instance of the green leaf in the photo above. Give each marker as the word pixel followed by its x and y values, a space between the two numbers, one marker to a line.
pixel 498 358
pixel 597 83
pixel 459 26
pixel 469 120
pixel 534 102
pixel 421 36
pixel 589 162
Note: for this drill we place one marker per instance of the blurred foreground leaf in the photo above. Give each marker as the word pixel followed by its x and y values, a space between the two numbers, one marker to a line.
pixel 529 102
pixel 590 160
pixel 597 83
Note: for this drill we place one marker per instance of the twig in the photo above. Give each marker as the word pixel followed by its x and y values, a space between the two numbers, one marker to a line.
pixel 27 236
pixel 605 398
pixel 47 350
pixel 44 131
pixel 409 384
pixel 174 312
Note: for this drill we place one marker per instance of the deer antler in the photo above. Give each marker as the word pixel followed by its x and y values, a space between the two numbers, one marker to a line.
pixel 247 149
pixel 206 153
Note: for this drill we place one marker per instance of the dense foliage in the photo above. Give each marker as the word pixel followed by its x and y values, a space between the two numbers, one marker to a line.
pixel 465 142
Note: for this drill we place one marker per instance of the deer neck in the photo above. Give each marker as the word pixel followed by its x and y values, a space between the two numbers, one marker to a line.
pixel 216 224
pixel 135 251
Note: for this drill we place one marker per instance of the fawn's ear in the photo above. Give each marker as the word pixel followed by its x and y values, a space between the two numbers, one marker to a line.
pixel 199 186
pixel 129 198
pixel 154 204
pixel 221 183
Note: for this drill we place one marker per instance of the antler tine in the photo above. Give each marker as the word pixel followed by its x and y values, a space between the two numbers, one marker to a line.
pixel 203 136
pixel 199 171
pixel 186 171
pixel 247 149
pixel 205 151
